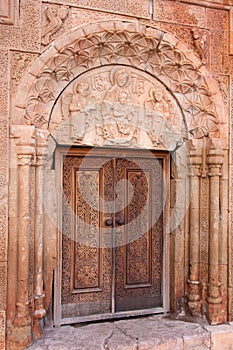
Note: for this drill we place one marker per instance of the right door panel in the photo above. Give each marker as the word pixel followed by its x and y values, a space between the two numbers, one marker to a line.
pixel 139 234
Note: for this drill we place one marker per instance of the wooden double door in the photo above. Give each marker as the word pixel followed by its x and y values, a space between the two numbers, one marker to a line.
pixel 113 218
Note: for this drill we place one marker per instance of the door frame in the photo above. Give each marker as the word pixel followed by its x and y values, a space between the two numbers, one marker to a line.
pixel 60 152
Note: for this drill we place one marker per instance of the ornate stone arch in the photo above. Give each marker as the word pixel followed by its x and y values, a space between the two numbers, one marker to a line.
pixel 172 64
pixel 123 43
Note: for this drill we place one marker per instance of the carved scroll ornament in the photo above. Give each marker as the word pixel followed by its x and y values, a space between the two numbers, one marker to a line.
pixel 151 51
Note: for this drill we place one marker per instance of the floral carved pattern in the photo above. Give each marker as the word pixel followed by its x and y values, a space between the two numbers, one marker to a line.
pixel 142 255
pixel 146 49
pixel 86 276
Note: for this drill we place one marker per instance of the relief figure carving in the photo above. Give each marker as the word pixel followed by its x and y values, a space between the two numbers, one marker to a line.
pixel 118 106
pixel 157 113
pixel 118 110
pixel 223 86
pixel 199 44
pixel 80 111
pixel 55 20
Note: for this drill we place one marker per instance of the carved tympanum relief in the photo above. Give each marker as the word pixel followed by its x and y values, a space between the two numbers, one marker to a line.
pixel 118 106
pixel 152 51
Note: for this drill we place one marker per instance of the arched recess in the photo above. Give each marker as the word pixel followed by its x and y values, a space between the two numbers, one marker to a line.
pixel 171 65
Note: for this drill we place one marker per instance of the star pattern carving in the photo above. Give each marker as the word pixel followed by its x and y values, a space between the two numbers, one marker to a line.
pixel 154 54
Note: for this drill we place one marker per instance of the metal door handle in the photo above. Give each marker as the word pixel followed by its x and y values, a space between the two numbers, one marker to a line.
pixel 120 222
pixel 108 222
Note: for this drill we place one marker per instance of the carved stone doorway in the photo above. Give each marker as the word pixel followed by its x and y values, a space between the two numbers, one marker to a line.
pixel 114 251
pixel 72 95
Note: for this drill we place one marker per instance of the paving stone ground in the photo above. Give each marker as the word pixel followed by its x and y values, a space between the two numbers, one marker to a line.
pixel 142 333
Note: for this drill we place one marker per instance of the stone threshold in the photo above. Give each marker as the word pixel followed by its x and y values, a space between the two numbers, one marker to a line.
pixel 141 333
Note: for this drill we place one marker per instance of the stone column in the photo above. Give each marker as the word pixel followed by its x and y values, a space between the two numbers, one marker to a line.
pixel 39 311
pixel 215 161
pixel 25 148
pixel 194 296
pixel 178 225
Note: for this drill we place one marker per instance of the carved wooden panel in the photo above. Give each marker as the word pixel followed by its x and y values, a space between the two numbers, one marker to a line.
pixel 86 270
pixel 138 272
pixel 139 259
pixel 86 258
pixel 122 261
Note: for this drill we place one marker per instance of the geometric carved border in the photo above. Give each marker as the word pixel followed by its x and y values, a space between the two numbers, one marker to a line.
pixel 7 11
pixel 2 330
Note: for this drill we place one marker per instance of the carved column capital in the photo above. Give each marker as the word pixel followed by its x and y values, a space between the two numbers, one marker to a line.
pixel 41 146
pixel 215 162
pixel 195 163
pixel 24 136
pixel 215 170
pixel 195 158
pixel 40 160
pixel 215 155
pixel 194 170
pixel 41 138
pixel 24 159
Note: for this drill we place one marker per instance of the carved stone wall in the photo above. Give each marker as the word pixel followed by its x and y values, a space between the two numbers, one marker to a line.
pixel 51 53
pixel 7 11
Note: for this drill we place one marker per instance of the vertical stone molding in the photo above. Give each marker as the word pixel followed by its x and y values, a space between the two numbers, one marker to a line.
pixel 215 161
pixel 179 204
pixel 194 296
pixel 231 32
pixel 39 311
pixel 25 146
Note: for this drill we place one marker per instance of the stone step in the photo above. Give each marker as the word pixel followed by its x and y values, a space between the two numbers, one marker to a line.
pixel 142 333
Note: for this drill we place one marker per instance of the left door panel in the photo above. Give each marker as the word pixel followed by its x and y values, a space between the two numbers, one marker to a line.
pixel 86 242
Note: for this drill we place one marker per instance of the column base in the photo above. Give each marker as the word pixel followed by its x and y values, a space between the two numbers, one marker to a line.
pixel 37 330
pixel 38 323
pixel 19 333
pixel 195 307
pixel 194 299
pixel 214 313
